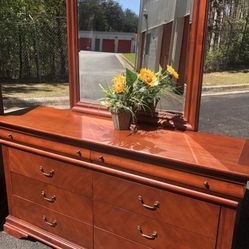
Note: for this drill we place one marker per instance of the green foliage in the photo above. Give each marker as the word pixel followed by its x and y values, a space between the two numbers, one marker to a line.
pixel 33 40
pixel 132 93
pixel 107 15
pixel 228 36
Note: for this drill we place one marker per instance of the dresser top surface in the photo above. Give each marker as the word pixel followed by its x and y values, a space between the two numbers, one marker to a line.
pixel 210 152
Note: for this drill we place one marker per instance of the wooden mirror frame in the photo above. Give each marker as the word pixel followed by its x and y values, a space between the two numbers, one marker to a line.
pixel 195 63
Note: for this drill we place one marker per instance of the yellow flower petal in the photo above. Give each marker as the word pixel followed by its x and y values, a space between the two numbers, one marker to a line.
pixel 147 76
pixel 172 72
pixel 119 83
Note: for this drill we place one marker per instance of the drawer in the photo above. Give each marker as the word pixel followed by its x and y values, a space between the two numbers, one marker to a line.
pixel 169 174
pixel 73 178
pixel 146 231
pixel 38 142
pixel 106 240
pixel 175 209
pixel 72 230
pixel 62 201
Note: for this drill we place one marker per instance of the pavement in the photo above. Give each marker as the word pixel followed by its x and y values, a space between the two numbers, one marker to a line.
pixel 9 242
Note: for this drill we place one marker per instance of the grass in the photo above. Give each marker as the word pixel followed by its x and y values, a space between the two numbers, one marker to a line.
pixel 35 90
pixel 131 57
pixel 226 78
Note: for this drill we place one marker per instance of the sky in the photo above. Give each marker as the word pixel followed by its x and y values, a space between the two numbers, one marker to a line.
pixel 130 4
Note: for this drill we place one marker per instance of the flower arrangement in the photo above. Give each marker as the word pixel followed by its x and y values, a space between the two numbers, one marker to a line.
pixel 134 91
pixel 149 84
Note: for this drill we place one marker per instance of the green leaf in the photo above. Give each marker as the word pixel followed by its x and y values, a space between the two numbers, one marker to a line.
pixel 131 77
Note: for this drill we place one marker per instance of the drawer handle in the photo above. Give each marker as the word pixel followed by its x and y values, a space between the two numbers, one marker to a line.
pixel 10 136
pixel 52 199
pixel 101 159
pixel 51 224
pixel 49 174
pixel 154 207
pixel 78 152
pixel 206 185
pixel 150 237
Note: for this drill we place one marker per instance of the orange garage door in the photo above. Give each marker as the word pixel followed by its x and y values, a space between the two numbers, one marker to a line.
pixel 85 43
pixel 124 46
pixel 108 45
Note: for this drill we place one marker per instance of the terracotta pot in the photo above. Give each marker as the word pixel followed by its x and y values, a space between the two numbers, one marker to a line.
pixel 121 120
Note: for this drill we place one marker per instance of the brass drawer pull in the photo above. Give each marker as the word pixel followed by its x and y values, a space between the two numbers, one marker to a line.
pixel 51 224
pixel 150 237
pixel 154 207
pixel 49 174
pixel 206 185
pixel 101 159
pixel 52 199
pixel 10 136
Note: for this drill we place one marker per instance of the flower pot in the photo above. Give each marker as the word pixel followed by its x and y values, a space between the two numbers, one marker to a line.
pixel 121 120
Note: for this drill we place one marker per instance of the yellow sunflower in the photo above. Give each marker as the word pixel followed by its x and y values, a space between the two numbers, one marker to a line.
pixel 119 83
pixel 173 72
pixel 148 77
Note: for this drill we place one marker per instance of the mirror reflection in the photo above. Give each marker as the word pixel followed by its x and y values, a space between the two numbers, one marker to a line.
pixel 225 95
pixel 119 34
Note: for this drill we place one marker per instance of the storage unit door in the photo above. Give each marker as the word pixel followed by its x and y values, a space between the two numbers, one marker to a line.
pixel 124 46
pixel 85 43
pixel 108 45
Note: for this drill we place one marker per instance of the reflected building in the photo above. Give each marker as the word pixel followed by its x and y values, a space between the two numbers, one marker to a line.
pixel 163 35
pixel 103 41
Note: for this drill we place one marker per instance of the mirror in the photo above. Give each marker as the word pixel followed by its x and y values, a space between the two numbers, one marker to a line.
pixel 156 32
pixel 117 34
pixel 225 94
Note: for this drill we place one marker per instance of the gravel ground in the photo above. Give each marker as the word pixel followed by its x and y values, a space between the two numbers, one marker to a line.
pixel 9 242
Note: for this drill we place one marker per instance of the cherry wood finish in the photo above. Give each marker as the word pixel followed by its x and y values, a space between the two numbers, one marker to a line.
pixel 124 223
pixel 173 209
pixel 53 198
pixel 72 230
pixel 107 240
pixel 73 151
pixel 197 179
pixel 189 119
pixel 63 175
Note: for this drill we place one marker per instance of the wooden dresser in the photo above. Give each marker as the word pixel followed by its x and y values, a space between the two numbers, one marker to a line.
pixel 74 182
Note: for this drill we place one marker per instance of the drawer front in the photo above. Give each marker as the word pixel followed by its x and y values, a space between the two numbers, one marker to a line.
pixel 147 231
pixel 65 202
pixel 72 230
pixel 106 240
pixel 197 181
pixel 72 178
pixel 37 142
pixel 185 212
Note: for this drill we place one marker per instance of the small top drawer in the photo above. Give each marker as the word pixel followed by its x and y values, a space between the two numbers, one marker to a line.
pixel 38 142
pixel 188 213
pixel 69 177
pixel 170 174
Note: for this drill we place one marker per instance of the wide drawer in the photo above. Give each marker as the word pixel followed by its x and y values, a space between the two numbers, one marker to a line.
pixel 106 240
pixel 72 230
pixel 62 201
pixel 149 232
pixel 50 145
pixel 175 209
pixel 169 174
pixel 70 177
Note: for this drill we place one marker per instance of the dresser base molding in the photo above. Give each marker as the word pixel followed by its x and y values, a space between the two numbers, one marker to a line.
pixel 21 229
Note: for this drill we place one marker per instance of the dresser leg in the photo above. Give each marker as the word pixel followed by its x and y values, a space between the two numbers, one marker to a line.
pixel 14 231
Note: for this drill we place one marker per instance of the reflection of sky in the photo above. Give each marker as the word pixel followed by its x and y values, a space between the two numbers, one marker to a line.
pixel 130 4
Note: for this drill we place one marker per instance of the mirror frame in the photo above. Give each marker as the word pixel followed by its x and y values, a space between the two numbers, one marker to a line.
pixel 196 50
